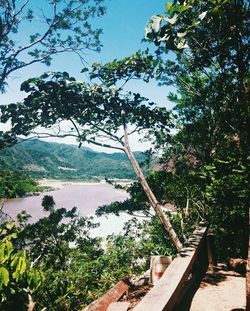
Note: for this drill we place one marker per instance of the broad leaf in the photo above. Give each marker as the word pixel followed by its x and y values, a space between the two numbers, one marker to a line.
pixel 4 276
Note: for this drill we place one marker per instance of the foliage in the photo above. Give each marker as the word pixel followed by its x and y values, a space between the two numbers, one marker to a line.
pixel 49 242
pixel 211 75
pixel 7 139
pixel 181 191
pixel 210 152
pixel 16 184
pixel 62 26
pixel 97 113
pixel 76 268
pixel 227 196
pixel 48 203
pixel 18 279
pixel 213 58
pixel 139 66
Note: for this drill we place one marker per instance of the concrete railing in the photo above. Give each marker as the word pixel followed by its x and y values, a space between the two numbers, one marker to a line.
pixel 248 278
pixel 176 288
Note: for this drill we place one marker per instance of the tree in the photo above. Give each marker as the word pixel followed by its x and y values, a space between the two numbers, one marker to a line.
pixel 97 112
pixel 211 70
pixel 211 75
pixel 18 279
pixel 60 276
pixel 62 26
pixel 16 184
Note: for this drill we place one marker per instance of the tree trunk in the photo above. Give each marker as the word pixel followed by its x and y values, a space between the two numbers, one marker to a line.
pixel 151 197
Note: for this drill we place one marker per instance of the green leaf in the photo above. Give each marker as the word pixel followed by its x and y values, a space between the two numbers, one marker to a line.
pixel 4 276
pixel 181 34
pixel 183 8
pixel 35 279
pixel 10 225
pixel 182 44
pixel 222 161
pixel 20 267
pixel 84 70
pixel 210 167
pixel 238 171
pixel 168 6
pixel 2 251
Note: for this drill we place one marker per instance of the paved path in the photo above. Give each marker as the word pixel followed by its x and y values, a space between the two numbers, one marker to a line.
pixel 221 290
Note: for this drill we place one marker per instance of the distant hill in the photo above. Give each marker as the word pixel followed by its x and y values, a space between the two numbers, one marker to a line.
pixel 53 160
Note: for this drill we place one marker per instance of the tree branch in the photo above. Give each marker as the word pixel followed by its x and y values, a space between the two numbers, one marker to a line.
pixel 103 145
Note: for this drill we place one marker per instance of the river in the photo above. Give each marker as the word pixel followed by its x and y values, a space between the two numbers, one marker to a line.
pixel 86 197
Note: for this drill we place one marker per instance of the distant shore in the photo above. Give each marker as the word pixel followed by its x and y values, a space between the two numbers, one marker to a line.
pixel 58 184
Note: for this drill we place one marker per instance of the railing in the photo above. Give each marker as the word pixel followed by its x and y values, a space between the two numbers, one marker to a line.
pixel 248 277
pixel 176 288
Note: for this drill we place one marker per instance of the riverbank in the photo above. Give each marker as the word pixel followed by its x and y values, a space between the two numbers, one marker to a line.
pixel 59 184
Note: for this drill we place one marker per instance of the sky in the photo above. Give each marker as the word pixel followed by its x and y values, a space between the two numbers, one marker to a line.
pixel 123 29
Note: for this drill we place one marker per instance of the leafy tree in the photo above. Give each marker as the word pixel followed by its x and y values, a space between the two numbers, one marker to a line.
pixel 75 275
pixel 18 279
pixel 59 244
pixel 7 139
pixel 97 112
pixel 181 191
pixel 62 26
pixel 214 53
pixel 211 75
pixel 16 184
pixel 48 203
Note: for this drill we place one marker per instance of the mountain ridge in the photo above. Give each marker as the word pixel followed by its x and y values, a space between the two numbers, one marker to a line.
pixel 42 159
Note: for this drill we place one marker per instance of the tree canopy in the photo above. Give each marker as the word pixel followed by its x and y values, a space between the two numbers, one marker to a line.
pixel 210 71
pixel 207 42
pixel 97 113
pixel 30 34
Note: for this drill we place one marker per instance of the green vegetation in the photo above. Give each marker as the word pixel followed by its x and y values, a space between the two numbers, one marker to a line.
pixel 64 26
pixel 211 75
pixel 18 278
pixel 41 159
pixel 16 184
pixel 97 113
pixel 207 161
pixel 204 165
pixel 58 276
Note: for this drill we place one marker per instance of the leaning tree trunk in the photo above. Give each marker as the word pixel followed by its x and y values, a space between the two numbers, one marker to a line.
pixel 151 197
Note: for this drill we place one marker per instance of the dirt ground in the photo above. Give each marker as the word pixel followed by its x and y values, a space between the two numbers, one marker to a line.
pixel 221 290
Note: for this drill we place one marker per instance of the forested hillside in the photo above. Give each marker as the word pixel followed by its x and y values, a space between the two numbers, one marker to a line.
pixel 53 160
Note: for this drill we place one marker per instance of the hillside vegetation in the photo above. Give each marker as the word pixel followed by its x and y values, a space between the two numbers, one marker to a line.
pixel 53 160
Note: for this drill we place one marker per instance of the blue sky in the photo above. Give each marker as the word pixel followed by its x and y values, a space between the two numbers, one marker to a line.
pixel 123 28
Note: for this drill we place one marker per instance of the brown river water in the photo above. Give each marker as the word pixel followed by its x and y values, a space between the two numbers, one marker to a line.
pixel 86 197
